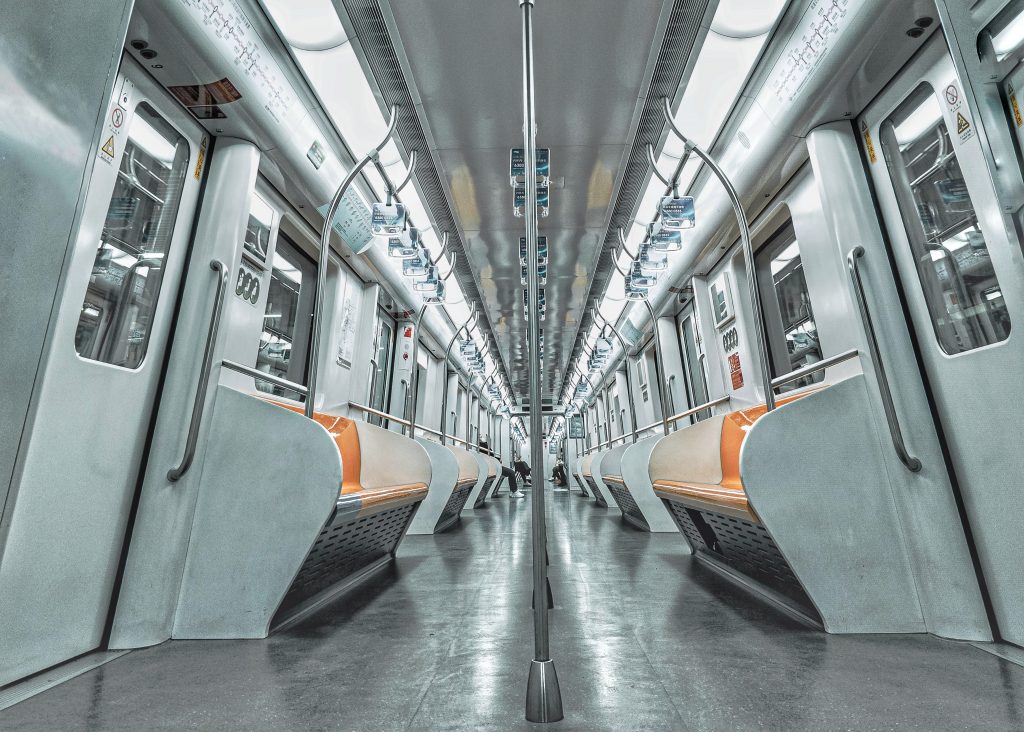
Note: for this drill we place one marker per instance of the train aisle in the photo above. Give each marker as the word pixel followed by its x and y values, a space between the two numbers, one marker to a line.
pixel 642 639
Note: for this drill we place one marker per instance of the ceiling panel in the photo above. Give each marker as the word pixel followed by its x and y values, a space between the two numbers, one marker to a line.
pixel 590 65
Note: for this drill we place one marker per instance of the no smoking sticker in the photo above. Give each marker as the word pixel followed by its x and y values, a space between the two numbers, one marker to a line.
pixel 959 113
pixel 117 117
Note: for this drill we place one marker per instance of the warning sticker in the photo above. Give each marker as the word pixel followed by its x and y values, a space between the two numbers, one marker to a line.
pixel 735 371
pixel 869 144
pixel 206 95
pixel 200 159
pixel 108 147
pixel 959 113
pixel 962 125
pixel 1015 105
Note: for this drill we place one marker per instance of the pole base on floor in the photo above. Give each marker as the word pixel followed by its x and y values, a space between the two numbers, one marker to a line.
pixel 543 697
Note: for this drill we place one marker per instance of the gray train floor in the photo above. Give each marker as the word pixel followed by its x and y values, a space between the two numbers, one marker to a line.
pixel 643 639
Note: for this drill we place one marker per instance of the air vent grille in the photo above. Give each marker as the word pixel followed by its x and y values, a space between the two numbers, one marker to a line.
pixel 380 55
pixel 680 37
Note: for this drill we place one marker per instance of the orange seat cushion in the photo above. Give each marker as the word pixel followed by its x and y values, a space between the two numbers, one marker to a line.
pixel 343 431
pixel 729 494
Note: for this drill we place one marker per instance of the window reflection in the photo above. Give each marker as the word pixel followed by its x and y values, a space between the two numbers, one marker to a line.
pixel 287 320
pixel 116 319
pixel 959 282
pixel 789 318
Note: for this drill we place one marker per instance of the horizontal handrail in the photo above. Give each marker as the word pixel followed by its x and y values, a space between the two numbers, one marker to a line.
pixel 428 430
pixel 378 413
pixel 698 408
pixel 812 368
pixel 263 376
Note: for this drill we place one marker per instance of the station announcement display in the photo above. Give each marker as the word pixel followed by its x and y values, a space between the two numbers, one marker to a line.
pixel 677 213
pixel 388 219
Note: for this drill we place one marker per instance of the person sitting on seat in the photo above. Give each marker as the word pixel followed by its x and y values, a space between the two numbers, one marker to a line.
pixel 558 474
pixel 523 470
pixel 513 483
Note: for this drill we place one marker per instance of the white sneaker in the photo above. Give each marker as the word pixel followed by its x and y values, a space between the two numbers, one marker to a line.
pixel 517 494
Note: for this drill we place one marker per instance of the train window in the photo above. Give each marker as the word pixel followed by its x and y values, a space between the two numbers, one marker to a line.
pixel 257 230
pixel 117 315
pixel 789 320
pixel 284 345
pixel 960 286
pixel 381 366
pixel 696 383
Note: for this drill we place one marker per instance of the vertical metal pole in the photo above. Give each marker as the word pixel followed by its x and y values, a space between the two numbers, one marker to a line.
pixel 659 368
pixel 543 697
pixel 411 413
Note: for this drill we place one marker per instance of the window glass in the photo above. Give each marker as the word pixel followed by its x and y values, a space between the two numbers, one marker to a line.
pixel 789 320
pixel 257 230
pixel 696 383
pixel 116 319
pixel 286 323
pixel 960 286
pixel 381 368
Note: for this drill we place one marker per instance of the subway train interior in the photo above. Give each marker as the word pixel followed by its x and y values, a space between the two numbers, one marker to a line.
pixel 447 364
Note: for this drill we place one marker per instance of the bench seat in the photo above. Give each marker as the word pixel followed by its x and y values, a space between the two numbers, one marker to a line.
pixel 377 499
pixel 695 471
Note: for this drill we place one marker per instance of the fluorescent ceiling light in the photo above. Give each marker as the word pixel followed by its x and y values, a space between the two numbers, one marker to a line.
pixel 286 269
pixel 150 141
pixel 746 18
pixel 922 120
pixel 310 25
pixel 781 260
pixel 1010 38
pixel 338 78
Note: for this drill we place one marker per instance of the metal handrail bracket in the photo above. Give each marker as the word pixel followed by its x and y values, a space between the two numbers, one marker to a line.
pixel 378 413
pixel 813 368
pixel 263 376
pixel 174 474
pixel 698 408
pixel 911 462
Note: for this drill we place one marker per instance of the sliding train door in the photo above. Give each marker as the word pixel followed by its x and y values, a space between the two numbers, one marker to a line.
pixel 960 265
pixel 63 528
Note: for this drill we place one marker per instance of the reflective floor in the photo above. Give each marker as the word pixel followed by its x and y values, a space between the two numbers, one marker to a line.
pixel 643 639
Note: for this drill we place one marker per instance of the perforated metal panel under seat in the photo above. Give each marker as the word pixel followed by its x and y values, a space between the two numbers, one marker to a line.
pixel 598 496
pixel 455 504
pixel 744 546
pixel 482 496
pixel 630 511
pixel 681 516
pixel 342 549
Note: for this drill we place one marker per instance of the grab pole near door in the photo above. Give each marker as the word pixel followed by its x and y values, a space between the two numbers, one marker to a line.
pixel 543 697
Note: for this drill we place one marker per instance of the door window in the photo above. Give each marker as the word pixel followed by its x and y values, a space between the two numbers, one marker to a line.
pixel 696 383
pixel 284 345
pixel 381 368
pixel 116 319
pixel 963 295
pixel 789 320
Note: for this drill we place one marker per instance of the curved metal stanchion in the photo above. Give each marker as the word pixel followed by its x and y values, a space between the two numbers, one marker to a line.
pixel 596 312
pixel 659 364
pixel 174 474
pixel 313 362
pixel 444 386
pixel 748 253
